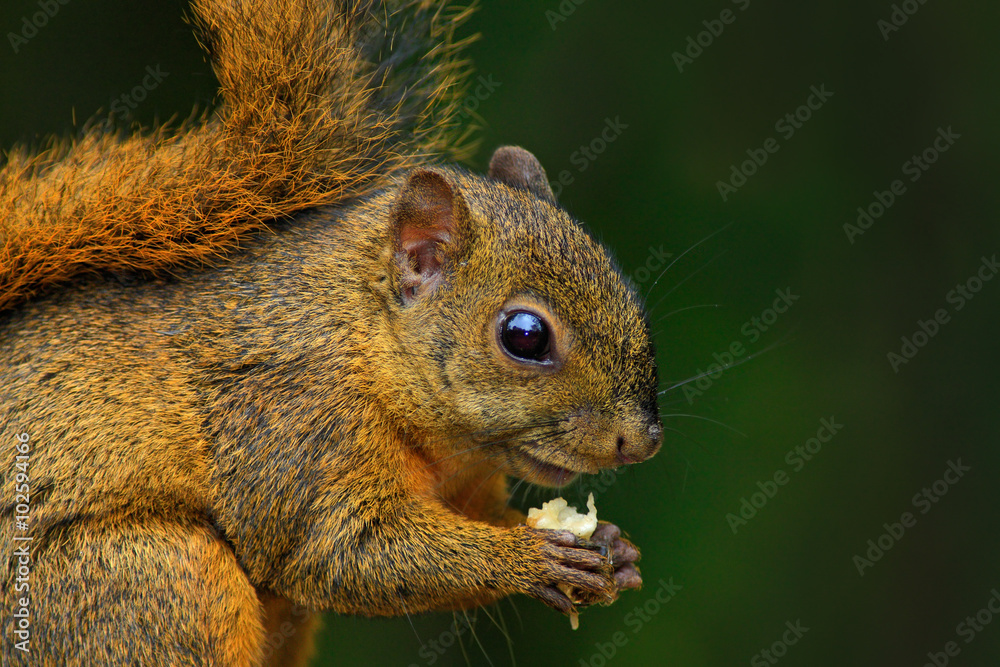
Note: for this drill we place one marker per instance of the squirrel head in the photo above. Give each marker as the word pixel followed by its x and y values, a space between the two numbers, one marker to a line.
pixel 515 326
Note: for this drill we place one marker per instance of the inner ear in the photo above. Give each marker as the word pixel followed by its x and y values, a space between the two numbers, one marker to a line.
pixel 426 217
pixel 518 168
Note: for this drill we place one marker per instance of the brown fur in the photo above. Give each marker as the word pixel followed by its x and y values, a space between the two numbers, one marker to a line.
pixel 325 421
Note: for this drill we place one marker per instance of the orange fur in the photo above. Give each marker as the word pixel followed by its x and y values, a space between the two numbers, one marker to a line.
pixel 308 117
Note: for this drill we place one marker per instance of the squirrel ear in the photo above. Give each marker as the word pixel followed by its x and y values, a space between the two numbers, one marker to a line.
pixel 518 168
pixel 426 217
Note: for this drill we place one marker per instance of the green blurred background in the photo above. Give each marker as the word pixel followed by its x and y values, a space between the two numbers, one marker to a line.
pixel 655 186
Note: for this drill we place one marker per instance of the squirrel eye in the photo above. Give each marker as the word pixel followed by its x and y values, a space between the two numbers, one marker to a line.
pixel 525 336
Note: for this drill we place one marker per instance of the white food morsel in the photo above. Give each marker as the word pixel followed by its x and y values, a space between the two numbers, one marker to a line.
pixel 557 515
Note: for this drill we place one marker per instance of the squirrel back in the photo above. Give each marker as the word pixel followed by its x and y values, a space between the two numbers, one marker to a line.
pixel 319 103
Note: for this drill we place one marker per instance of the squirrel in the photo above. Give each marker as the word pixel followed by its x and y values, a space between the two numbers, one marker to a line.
pixel 283 359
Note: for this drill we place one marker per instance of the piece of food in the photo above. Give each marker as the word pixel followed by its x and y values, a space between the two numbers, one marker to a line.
pixel 557 515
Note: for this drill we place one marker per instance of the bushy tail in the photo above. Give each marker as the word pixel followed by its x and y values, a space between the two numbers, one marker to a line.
pixel 320 100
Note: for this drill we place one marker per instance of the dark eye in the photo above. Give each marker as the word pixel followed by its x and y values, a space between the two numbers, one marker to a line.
pixel 525 336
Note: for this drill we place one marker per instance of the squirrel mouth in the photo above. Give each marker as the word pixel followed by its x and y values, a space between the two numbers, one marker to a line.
pixel 546 474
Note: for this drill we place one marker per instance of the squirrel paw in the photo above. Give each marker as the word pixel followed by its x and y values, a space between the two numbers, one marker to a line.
pixel 621 553
pixel 573 564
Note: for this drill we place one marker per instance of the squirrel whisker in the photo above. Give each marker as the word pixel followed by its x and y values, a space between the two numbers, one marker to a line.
pixel 687 278
pixel 678 258
pixel 708 419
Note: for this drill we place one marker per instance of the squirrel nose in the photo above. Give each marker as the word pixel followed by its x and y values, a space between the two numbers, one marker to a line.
pixel 641 445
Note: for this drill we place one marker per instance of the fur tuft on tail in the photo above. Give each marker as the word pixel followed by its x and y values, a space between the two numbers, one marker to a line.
pixel 319 103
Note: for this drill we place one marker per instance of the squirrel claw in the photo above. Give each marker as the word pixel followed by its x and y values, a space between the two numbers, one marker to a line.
pixel 556 599
pixel 577 567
